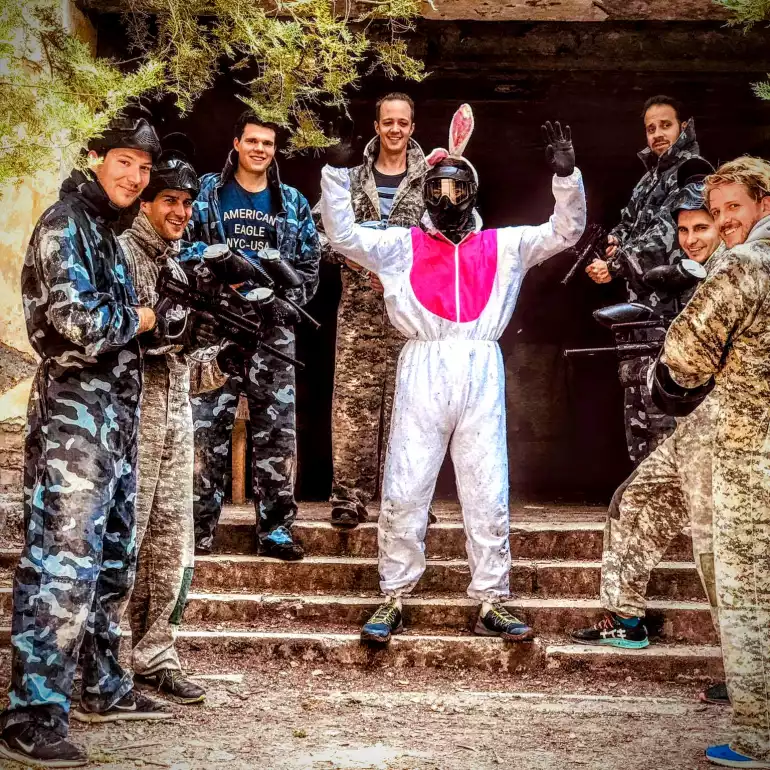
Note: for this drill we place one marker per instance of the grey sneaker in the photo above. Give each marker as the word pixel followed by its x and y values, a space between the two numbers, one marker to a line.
pixel 174 684
pixel 133 706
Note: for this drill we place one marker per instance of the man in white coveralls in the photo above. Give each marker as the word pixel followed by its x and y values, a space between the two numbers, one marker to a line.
pixel 451 292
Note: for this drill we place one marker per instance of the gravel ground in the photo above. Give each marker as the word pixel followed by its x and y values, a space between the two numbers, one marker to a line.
pixel 331 718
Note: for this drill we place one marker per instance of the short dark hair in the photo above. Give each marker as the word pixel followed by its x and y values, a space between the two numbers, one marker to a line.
pixel 665 100
pixel 393 96
pixel 250 117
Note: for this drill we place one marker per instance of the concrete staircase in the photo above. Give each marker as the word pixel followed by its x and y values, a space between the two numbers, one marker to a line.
pixel 243 604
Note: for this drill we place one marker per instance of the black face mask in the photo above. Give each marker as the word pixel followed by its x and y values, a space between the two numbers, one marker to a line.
pixel 454 221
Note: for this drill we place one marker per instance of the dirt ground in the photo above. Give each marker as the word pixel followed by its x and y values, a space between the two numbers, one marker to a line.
pixel 286 717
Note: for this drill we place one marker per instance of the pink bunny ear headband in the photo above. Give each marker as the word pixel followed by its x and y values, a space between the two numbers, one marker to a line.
pixel 460 131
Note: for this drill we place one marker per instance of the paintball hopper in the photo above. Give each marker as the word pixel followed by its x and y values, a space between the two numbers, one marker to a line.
pixel 229 266
pixel 676 278
pixel 279 271
pixel 623 313
pixel 670 398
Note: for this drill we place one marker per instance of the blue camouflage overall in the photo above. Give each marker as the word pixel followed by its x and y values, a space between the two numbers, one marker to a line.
pixel 79 556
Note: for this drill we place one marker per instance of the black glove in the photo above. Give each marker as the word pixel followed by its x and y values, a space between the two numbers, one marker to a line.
pixel 559 151
pixel 156 336
pixel 203 331
pixel 347 151
pixel 230 360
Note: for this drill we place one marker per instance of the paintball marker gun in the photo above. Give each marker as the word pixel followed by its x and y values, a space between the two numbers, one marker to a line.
pixel 628 317
pixel 594 243
pixel 208 289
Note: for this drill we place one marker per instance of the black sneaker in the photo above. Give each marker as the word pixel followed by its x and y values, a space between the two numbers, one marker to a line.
pixel 280 545
pixel 348 515
pixel 204 546
pixel 499 622
pixel 612 632
pixel 386 621
pixel 39 746
pixel 717 694
pixel 133 706
pixel 173 683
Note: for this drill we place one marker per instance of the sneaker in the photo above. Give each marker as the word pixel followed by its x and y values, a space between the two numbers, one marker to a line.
pixel 387 620
pixel 174 683
pixel 717 694
pixel 133 706
pixel 280 545
pixel 499 622
pixel 724 756
pixel 204 546
pixel 348 517
pixel 611 631
pixel 39 746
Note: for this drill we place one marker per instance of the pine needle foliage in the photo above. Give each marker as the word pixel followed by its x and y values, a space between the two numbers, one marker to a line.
pixel 54 94
pixel 748 13
pixel 296 56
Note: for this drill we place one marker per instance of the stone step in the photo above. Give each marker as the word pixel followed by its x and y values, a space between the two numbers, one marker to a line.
pixel 670 621
pixel 445 539
pixel 315 574
pixel 656 663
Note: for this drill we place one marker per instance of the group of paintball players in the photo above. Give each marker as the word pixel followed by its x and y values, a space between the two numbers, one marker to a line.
pixel 149 338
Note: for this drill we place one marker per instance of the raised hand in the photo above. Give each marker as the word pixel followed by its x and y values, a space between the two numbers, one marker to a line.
pixel 559 151
pixel 346 152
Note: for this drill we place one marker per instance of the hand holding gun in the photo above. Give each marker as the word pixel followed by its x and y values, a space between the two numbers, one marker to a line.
pixel 240 319
pixel 592 249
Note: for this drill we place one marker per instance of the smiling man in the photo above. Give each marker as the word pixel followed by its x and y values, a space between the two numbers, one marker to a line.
pixel 724 333
pixel 646 238
pixel 247 207
pixel 164 507
pixel 80 453
pixel 386 189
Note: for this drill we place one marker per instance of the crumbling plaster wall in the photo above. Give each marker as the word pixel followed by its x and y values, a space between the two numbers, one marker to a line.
pixel 22 205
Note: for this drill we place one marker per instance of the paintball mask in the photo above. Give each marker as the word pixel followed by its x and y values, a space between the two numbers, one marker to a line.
pixel 130 128
pixel 449 191
pixel 172 171
pixel 691 182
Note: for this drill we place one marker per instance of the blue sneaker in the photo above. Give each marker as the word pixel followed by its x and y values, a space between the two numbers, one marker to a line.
pixel 279 544
pixel 610 631
pixel 725 757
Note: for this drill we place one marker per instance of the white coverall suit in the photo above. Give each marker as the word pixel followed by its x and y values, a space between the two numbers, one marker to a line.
pixel 452 303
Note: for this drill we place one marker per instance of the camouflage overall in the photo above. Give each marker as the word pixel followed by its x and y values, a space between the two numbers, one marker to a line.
pixel 647 237
pixel 267 383
pixel 269 388
pixel 77 565
pixel 164 512
pixel 725 331
pixel 368 345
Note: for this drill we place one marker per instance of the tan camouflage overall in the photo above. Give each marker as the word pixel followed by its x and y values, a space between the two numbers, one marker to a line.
pixel 367 344
pixel 164 501
pixel 668 491
pixel 725 331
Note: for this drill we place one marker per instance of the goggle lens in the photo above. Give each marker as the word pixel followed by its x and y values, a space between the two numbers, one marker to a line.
pixel 456 191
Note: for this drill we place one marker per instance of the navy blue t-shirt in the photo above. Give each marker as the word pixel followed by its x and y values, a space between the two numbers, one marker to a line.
pixel 248 218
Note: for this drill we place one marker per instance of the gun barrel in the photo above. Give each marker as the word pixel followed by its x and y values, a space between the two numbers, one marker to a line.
pixel 623 349
pixel 303 313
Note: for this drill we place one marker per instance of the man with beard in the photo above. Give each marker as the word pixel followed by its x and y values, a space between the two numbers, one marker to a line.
pixel 646 238
pixel 724 333
pixel 248 208
pixel 451 291
pixel 670 489
pixel 78 561
pixel 164 505
pixel 385 189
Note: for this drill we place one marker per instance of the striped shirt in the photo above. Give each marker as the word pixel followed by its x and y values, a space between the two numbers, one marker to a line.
pixel 387 185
